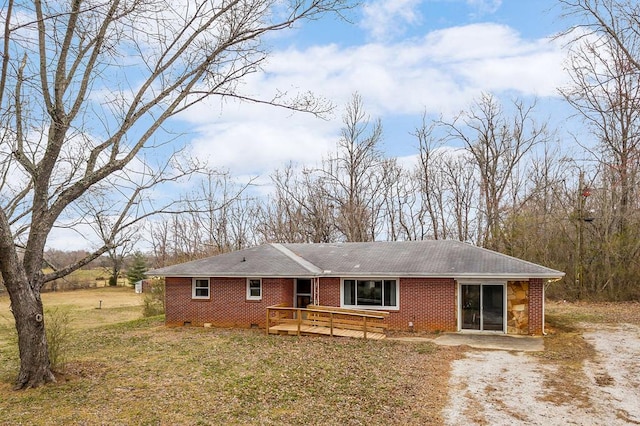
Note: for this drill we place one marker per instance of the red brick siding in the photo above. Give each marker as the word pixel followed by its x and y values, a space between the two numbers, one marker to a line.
pixel 330 291
pixel 177 300
pixel 429 303
pixel 228 305
pixel 536 306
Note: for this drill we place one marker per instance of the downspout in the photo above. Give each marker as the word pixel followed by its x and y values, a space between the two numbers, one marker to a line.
pixel 544 333
pixel 544 288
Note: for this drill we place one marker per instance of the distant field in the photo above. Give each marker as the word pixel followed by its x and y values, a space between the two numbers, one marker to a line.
pixel 86 278
pixel 119 304
pixel 83 279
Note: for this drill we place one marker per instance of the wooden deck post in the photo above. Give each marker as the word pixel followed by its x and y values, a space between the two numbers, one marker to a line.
pixel 331 323
pixel 299 320
pixel 364 329
pixel 268 312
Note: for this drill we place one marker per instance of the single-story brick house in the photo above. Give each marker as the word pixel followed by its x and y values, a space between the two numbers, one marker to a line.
pixel 424 285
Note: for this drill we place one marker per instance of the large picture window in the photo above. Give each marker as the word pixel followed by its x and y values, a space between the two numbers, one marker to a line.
pixel 200 288
pixel 370 293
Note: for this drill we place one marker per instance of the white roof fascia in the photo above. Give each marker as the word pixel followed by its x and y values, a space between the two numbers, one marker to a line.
pixel 378 274
pixel 235 275
pixel 520 276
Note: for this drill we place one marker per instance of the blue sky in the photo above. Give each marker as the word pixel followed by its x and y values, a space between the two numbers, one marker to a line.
pixel 405 58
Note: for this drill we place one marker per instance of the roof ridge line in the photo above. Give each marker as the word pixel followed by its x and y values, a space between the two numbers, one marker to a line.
pixel 298 259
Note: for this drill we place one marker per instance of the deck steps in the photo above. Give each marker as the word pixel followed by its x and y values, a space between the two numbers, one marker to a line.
pixel 292 330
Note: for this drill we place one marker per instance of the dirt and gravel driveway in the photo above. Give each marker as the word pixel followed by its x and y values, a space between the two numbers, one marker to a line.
pixel 498 387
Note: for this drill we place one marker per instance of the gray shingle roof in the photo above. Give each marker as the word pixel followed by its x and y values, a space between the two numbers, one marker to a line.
pixel 265 260
pixel 430 258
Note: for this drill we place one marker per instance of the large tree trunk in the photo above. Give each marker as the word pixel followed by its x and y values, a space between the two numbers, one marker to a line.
pixel 26 305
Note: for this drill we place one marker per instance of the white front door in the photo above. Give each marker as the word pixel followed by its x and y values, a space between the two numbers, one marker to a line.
pixel 302 294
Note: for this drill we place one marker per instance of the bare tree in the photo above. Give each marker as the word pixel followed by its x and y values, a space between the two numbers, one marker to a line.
pixel 342 198
pixel 85 88
pixel 298 211
pixel 462 187
pixel 613 22
pixel 605 92
pixel 117 254
pixel 160 239
pixel 402 204
pixel 352 179
pixel 539 227
pixel 497 143
pixel 448 186
pixel 432 188
pixel 220 209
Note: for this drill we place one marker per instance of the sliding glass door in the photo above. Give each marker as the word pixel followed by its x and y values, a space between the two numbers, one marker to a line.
pixel 470 300
pixel 482 307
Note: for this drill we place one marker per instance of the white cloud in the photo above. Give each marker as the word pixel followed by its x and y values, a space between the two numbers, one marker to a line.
pixel 384 19
pixel 485 6
pixel 441 73
pixel 481 41
pixel 79 237
pixel 253 139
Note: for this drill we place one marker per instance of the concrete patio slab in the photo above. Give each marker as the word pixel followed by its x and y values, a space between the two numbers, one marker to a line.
pixel 492 341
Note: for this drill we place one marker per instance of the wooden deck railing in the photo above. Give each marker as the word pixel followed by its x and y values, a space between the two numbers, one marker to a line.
pixel 327 320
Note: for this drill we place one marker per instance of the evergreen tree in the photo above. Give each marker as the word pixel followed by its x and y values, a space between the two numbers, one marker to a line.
pixel 136 271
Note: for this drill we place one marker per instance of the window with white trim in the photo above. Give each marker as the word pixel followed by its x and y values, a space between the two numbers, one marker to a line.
pixel 254 289
pixel 200 288
pixel 370 293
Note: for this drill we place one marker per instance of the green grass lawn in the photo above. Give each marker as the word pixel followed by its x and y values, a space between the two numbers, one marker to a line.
pixel 122 369
pixel 140 372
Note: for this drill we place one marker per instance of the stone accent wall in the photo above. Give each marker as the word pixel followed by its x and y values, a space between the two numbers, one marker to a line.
pixel 518 307
pixel 227 306
pixel 525 307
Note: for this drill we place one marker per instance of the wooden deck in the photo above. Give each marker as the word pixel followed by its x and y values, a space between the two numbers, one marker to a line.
pixel 327 321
